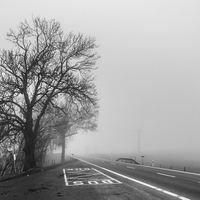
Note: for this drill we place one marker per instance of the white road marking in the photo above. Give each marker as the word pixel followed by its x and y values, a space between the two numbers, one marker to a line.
pixel 106 175
pixel 65 177
pixel 166 175
pixel 145 166
pixel 112 163
pixel 130 167
pixel 78 177
pixel 137 181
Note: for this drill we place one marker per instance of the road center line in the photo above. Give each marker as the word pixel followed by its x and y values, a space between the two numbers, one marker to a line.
pixel 130 167
pixel 166 175
pixel 137 181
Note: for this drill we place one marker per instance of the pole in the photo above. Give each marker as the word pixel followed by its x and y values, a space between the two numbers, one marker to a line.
pixel 138 151
pixel 12 151
pixel 14 158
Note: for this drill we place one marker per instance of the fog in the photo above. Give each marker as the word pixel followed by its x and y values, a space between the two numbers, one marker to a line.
pixel 148 77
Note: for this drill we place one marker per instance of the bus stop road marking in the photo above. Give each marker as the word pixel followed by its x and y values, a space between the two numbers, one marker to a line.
pixel 88 176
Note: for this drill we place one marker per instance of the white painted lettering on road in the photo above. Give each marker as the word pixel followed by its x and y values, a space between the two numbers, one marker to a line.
pixel 107 181
pixel 87 176
pixel 78 182
pixel 93 182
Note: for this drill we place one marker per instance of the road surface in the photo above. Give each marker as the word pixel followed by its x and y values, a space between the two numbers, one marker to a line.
pixel 177 184
pixel 97 179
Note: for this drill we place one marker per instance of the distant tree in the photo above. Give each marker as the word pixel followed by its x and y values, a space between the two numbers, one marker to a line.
pixel 43 66
pixel 72 118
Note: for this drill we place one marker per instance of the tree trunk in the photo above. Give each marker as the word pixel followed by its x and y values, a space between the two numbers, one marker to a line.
pixel 63 148
pixel 29 150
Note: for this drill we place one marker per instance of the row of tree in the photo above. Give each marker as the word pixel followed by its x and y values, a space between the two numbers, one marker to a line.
pixel 47 87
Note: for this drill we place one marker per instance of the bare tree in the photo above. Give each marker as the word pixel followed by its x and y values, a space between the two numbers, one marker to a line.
pixel 43 67
pixel 74 116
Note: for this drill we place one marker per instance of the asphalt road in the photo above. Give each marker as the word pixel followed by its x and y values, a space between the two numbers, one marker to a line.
pixel 176 184
pixel 95 179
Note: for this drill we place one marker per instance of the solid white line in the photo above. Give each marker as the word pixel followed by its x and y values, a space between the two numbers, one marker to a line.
pixel 140 182
pixel 65 177
pixel 107 176
pixel 130 167
pixel 166 175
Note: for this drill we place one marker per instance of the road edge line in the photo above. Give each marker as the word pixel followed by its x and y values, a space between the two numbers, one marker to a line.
pixel 107 176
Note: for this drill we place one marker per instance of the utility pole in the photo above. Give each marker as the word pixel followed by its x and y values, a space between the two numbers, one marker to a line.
pixel 138 145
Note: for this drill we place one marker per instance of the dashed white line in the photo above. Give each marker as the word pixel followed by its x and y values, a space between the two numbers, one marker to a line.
pixel 166 175
pixel 137 181
pixel 130 167
pixel 112 163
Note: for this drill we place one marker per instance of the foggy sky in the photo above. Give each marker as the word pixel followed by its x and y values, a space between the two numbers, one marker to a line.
pixel 149 72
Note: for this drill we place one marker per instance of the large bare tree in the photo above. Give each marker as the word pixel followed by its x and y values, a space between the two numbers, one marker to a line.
pixel 44 65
